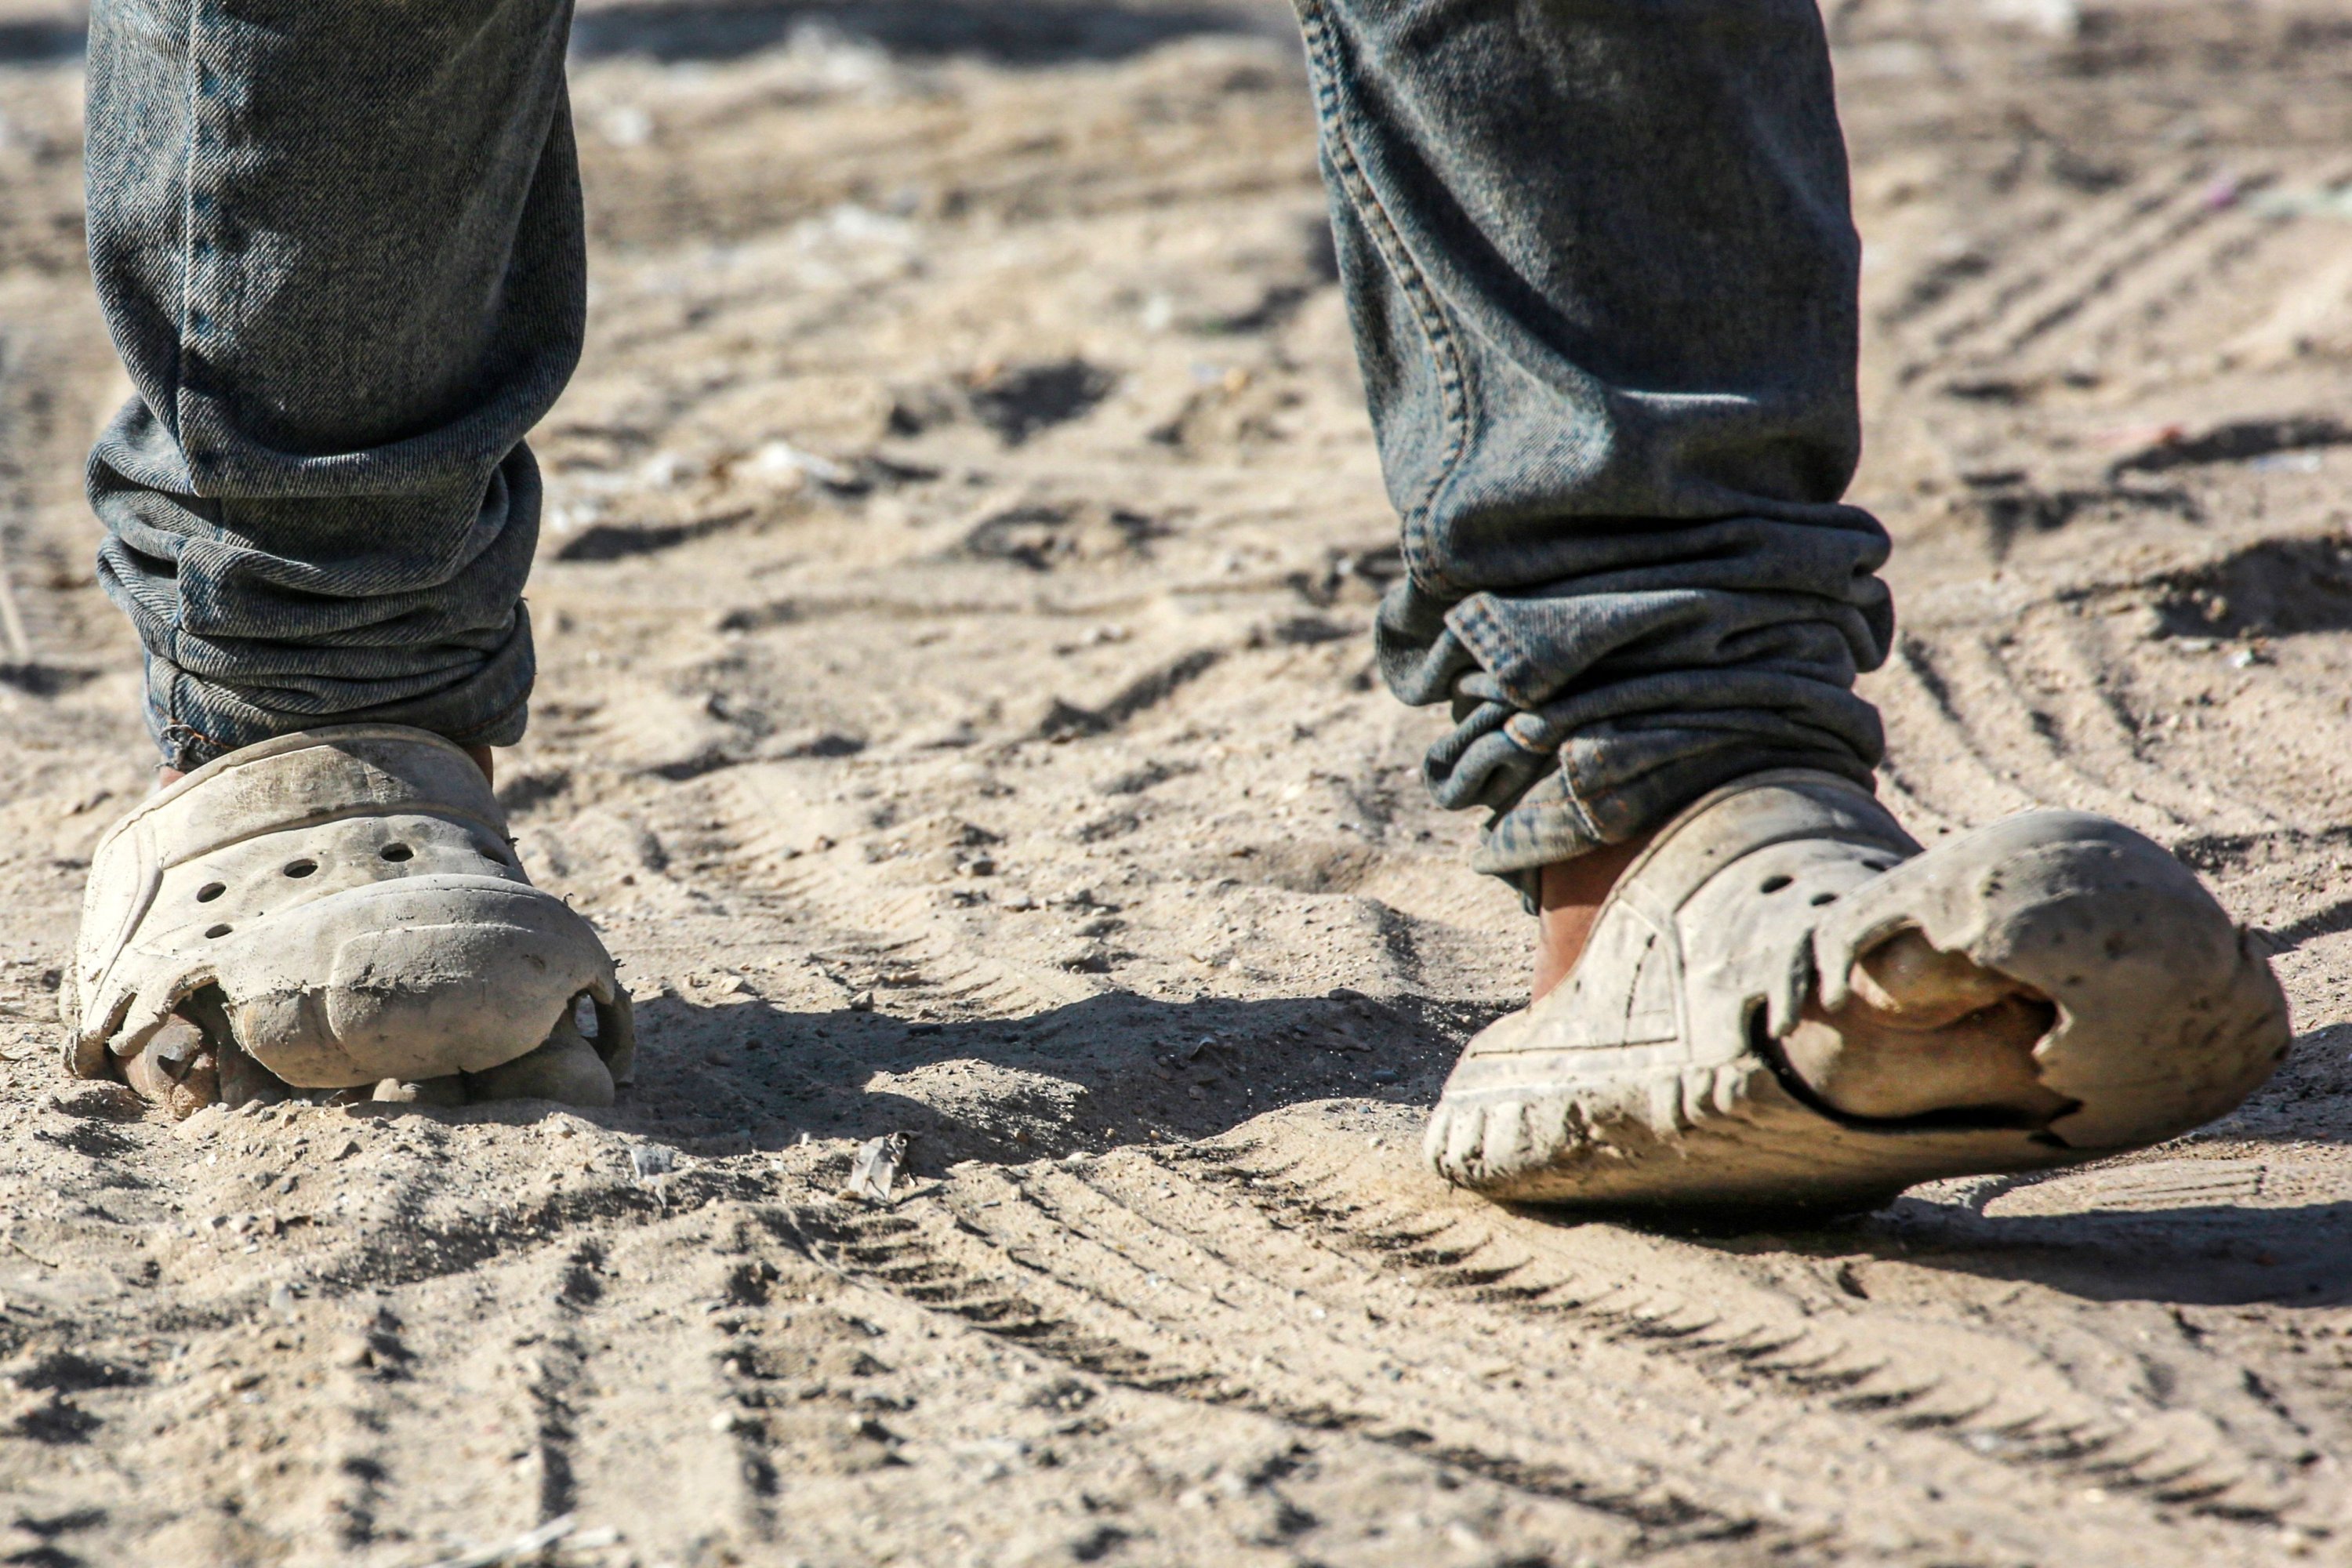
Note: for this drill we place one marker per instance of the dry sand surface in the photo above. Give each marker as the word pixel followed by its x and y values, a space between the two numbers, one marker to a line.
pixel 957 712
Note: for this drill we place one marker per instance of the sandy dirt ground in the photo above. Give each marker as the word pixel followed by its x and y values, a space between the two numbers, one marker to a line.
pixel 957 712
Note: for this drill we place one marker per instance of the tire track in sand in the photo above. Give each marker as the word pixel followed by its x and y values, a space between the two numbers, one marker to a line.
pixel 1587 1364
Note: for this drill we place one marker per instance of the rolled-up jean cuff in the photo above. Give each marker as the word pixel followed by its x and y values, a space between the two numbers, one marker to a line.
pixel 195 721
pixel 1553 822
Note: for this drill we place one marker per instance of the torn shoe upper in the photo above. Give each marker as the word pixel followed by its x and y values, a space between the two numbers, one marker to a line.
pixel 1654 1074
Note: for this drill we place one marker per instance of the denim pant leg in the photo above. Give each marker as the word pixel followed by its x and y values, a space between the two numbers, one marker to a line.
pixel 1602 271
pixel 340 248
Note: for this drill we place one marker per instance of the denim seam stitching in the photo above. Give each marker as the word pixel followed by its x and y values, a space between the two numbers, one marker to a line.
pixel 1586 824
pixel 1491 644
pixel 1483 632
pixel 187 240
pixel 172 714
pixel 1572 795
pixel 1451 376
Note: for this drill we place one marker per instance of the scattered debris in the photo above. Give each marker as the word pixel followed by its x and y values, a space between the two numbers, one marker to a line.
pixel 877 1168
pixel 2328 202
pixel 19 1249
pixel 12 621
pixel 523 1548
pixel 785 463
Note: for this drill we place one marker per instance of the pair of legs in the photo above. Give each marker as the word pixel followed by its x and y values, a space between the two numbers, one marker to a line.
pixel 1602 282
pixel 1601 277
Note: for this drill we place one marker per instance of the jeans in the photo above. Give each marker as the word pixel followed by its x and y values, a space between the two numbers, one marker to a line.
pixel 341 249
pixel 1597 255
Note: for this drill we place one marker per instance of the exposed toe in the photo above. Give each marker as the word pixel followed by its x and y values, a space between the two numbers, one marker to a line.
pixel 1864 1062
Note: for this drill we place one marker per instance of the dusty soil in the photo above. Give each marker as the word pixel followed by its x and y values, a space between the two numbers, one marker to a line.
pixel 957 712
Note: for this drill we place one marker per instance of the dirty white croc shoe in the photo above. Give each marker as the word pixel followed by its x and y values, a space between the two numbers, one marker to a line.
pixel 1693 1056
pixel 348 901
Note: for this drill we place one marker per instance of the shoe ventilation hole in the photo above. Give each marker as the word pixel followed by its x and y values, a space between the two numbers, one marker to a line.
pixel 300 868
pixel 218 931
pixel 1774 884
pixel 397 852
pixel 211 890
pixel 1820 898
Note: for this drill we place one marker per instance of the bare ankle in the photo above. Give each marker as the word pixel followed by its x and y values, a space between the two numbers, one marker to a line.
pixel 1570 898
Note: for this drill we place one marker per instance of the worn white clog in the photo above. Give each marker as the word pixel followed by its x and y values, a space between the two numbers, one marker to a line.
pixel 346 902
pixel 1695 1056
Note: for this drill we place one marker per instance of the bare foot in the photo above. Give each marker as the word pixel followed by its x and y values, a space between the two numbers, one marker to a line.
pixel 1573 891
pixel 1926 1030
pixel 167 777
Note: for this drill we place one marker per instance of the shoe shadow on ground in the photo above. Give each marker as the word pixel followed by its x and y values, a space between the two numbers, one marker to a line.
pixel 2098 1246
pixel 2207 1253
pixel 720 1078
pixel 2093 1244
